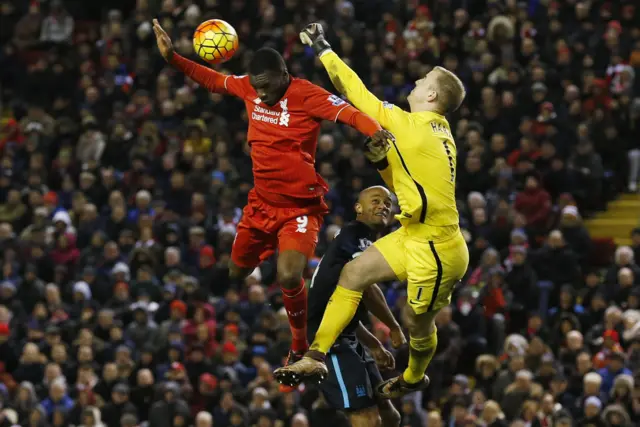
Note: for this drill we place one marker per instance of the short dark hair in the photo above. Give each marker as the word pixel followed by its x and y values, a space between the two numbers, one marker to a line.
pixel 266 60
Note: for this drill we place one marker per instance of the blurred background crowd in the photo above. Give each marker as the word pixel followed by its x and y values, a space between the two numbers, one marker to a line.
pixel 122 182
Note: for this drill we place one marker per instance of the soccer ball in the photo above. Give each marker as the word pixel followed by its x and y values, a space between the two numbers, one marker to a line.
pixel 215 41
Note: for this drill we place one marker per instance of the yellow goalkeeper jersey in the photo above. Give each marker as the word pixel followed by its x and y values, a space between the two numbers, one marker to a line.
pixel 422 160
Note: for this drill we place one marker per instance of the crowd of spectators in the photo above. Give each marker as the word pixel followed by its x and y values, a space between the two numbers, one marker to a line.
pixel 122 182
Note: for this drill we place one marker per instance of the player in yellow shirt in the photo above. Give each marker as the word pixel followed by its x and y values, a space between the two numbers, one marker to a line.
pixel 428 250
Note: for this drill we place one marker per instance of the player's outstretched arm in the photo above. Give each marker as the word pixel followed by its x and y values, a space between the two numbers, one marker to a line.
pixel 346 80
pixel 384 359
pixel 322 104
pixel 210 79
pixel 376 303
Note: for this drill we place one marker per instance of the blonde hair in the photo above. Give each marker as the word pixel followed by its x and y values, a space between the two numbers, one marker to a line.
pixel 631 315
pixel 492 404
pixel 503 23
pixel 487 359
pixel 575 334
pixel 451 90
pixel 204 416
pixel 531 405
pixel 537 391
pixel 592 377
pixel 623 380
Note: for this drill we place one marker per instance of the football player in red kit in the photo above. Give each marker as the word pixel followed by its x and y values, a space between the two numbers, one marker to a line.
pixel 286 205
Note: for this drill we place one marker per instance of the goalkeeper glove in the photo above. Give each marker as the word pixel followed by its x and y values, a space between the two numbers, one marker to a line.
pixel 313 35
pixel 377 147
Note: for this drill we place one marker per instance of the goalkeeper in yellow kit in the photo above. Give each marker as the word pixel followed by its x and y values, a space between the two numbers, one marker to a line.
pixel 428 250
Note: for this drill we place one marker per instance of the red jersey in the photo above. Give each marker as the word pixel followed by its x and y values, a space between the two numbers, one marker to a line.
pixel 283 137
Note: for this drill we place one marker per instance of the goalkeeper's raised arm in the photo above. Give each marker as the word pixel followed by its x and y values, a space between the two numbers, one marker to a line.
pixel 345 80
pixel 439 92
pixel 349 84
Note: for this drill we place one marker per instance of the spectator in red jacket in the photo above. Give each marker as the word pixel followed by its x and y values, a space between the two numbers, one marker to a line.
pixel 534 203
pixel 492 297
pixel 203 315
pixel 11 133
pixel 528 151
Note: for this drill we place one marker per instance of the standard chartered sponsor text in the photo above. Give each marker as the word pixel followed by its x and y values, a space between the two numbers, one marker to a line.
pixel 263 118
pixel 265 115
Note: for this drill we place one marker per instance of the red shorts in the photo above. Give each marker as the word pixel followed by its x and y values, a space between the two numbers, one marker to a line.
pixel 264 229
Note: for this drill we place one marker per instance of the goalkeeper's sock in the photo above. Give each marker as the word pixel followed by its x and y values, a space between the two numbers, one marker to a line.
pixel 341 308
pixel 421 351
pixel 295 302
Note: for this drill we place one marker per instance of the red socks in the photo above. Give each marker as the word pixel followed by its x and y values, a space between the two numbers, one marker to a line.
pixel 295 302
